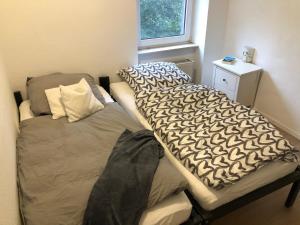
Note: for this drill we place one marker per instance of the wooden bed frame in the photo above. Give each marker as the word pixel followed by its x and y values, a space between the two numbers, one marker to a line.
pixel 201 216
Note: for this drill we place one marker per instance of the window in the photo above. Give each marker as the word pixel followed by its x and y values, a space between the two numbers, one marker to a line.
pixel 164 22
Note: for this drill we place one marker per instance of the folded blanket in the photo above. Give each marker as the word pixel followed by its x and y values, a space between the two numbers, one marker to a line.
pixel 121 193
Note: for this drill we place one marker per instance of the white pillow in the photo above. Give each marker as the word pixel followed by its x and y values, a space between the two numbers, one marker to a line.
pixel 55 102
pixel 79 100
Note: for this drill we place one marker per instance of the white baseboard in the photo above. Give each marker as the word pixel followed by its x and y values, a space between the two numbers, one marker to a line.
pixel 280 125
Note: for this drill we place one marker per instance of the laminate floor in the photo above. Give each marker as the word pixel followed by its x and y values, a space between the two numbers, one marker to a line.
pixel 269 210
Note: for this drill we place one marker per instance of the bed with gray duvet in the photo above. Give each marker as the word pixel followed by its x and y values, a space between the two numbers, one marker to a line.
pixel 59 163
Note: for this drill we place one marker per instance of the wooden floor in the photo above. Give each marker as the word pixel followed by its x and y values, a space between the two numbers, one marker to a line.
pixel 269 210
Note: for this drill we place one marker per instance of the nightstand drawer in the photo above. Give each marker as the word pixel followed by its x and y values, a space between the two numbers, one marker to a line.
pixel 239 81
pixel 224 80
pixel 230 94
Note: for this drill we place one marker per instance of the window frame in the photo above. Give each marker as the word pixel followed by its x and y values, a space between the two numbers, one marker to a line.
pixel 156 42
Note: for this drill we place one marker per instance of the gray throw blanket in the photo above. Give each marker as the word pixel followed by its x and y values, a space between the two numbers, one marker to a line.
pixel 120 195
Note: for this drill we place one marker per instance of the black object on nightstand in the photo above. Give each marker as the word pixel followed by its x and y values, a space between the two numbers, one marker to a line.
pixel 105 83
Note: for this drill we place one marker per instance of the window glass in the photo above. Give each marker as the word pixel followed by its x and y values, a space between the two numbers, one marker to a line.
pixel 162 18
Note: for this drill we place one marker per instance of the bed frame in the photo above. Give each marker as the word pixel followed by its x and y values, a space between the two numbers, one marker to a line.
pixel 201 216
pixel 204 217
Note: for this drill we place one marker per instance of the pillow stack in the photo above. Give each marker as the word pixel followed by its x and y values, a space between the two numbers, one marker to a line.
pixel 76 101
pixel 36 87
pixel 73 95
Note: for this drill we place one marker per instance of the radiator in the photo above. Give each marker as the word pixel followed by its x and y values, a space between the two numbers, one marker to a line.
pixel 187 66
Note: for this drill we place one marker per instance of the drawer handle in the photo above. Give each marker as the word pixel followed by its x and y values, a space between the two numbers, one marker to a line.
pixel 224 80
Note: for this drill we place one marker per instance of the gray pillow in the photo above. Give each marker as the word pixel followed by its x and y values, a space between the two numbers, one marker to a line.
pixel 36 87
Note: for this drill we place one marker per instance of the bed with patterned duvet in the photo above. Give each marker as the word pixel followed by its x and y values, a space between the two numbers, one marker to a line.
pixel 218 140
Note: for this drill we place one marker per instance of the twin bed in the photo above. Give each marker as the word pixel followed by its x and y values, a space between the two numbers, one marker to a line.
pixel 59 162
pixel 209 202
pixel 207 197
pixel 161 106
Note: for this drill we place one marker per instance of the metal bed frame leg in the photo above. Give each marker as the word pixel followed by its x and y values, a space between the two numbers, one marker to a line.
pixel 205 223
pixel 196 219
pixel 293 194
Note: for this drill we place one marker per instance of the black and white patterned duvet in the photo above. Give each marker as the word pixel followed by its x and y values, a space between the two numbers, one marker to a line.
pixel 153 76
pixel 216 139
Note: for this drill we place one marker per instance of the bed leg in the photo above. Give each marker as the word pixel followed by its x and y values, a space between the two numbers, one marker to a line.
pixel 293 194
pixel 196 219
pixel 205 223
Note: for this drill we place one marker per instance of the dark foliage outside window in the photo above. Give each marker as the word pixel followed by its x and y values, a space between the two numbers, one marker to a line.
pixel 162 18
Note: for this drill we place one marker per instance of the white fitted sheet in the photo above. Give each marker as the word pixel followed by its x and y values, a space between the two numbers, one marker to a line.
pixel 172 211
pixel 25 111
pixel 207 197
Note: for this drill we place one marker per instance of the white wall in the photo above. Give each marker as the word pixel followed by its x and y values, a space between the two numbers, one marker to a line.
pixel 199 34
pixel 216 23
pixel 39 37
pixel 208 33
pixel 273 28
pixel 9 212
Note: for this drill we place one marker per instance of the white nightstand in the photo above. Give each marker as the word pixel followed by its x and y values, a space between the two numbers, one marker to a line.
pixel 238 81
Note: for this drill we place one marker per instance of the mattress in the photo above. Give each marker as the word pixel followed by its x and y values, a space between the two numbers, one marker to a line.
pixel 207 197
pixel 174 210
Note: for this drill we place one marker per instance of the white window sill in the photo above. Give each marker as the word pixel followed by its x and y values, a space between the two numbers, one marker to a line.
pixel 167 48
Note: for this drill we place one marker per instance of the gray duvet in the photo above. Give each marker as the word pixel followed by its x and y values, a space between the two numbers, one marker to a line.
pixel 59 162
